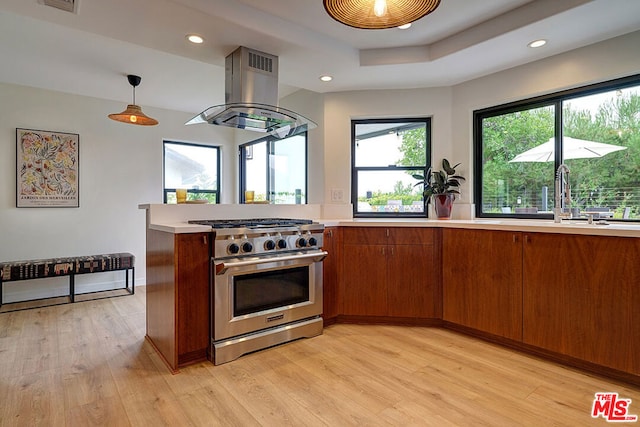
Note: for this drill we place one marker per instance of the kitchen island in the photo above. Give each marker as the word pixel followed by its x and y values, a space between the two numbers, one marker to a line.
pixel 568 292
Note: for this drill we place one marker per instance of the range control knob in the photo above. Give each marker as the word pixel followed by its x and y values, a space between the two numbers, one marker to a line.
pixel 313 241
pixel 302 242
pixel 233 248
pixel 269 245
pixel 247 247
pixel 282 244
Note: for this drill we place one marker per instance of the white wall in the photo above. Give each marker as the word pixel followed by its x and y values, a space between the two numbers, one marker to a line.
pixel 120 167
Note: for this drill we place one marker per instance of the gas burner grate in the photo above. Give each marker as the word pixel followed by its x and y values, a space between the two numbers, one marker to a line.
pixel 252 222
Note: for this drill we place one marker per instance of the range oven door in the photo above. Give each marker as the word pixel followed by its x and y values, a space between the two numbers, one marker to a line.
pixel 257 293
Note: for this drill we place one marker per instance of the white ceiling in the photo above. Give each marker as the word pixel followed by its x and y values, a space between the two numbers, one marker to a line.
pixel 90 52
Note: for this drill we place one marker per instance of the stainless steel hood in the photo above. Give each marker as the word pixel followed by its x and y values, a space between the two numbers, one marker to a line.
pixel 251 97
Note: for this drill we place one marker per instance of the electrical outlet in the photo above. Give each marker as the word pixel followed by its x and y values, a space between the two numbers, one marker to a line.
pixel 337 195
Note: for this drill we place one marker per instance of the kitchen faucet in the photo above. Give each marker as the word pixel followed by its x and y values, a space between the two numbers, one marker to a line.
pixel 562 207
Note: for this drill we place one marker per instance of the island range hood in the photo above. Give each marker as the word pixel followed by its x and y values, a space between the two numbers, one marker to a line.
pixel 251 97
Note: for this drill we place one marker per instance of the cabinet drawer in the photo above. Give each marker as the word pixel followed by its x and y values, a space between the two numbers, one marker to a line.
pixel 388 235
pixel 411 236
pixel 365 235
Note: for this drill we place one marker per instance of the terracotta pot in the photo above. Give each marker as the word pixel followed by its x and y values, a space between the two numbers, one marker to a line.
pixel 443 203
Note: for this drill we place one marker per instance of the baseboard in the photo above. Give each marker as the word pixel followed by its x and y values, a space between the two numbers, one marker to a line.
pixel 571 362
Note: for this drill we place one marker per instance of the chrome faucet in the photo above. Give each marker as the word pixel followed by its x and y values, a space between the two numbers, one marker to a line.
pixel 562 207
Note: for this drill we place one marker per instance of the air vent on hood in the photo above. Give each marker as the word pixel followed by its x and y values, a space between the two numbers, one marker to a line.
pixel 261 62
pixel 251 97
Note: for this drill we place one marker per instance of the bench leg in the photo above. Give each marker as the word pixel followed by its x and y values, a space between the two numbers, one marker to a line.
pixel 131 290
pixel 72 287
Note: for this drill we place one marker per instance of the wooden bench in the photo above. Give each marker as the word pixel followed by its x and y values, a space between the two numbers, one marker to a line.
pixel 56 267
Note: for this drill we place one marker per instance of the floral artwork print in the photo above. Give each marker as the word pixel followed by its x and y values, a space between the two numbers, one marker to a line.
pixel 47 169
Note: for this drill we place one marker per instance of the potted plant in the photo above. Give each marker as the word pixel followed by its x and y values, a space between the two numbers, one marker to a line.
pixel 442 187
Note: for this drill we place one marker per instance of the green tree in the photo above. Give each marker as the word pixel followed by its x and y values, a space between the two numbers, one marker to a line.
pixel 504 137
pixel 614 179
pixel 413 148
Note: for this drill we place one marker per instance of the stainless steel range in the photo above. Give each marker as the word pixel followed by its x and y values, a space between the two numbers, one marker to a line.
pixel 266 284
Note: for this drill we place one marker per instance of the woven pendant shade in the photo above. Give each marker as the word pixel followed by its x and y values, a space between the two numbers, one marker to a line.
pixel 133 114
pixel 360 13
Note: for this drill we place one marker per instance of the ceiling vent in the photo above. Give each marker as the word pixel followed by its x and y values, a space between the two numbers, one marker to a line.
pixel 66 5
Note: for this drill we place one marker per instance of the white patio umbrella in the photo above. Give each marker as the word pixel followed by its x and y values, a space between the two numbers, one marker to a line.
pixel 572 149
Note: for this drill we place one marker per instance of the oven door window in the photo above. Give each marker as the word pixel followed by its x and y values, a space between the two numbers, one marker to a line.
pixel 253 293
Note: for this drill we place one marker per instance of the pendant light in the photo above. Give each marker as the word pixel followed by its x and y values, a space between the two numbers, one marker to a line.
pixel 133 114
pixel 378 14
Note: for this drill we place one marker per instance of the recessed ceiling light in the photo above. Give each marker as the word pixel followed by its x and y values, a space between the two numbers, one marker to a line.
pixel 326 78
pixel 405 26
pixel 537 43
pixel 194 38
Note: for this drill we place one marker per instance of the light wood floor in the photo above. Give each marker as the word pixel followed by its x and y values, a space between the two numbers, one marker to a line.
pixel 88 364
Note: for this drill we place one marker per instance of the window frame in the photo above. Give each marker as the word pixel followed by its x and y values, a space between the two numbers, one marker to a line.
pixel 389 168
pixel 166 191
pixel 554 99
pixel 270 141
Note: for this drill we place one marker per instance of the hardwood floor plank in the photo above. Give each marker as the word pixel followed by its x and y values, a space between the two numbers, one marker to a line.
pixel 212 405
pixel 330 401
pixel 156 411
pixel 89 364
pixel 84 384
pixel 12 325
pixel 37 354
pixel 108 411
pixel 33 400
pixel 269 403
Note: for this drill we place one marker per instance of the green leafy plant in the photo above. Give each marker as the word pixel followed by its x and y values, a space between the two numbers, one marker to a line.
pixel 444 181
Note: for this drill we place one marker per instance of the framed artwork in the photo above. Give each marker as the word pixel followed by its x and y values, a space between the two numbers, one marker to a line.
pixel 47 169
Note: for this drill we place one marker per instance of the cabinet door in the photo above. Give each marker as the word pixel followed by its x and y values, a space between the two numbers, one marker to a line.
pixel 412 281
pixel 330 298
pixel 364 284
pixel 578 297
pixel 482 280
pixel 192 283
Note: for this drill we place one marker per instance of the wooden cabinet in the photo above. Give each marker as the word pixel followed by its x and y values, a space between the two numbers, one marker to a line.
pixel 572 295
pixel 364 279
pixel 482 280
pixel 178 295
pixel 582 297
pixel 390 272
pixel 331 274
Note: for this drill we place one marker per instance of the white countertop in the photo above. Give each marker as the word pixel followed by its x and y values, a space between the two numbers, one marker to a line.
pixel 174 219
pixel 542 226
pixel 180 227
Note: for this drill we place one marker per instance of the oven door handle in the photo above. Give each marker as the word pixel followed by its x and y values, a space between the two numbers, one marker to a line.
pixel 222 267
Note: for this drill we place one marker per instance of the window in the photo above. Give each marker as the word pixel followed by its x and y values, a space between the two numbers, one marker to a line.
pixel 594 130
pixel 275 170
pixel 193 167
pixel 385 154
